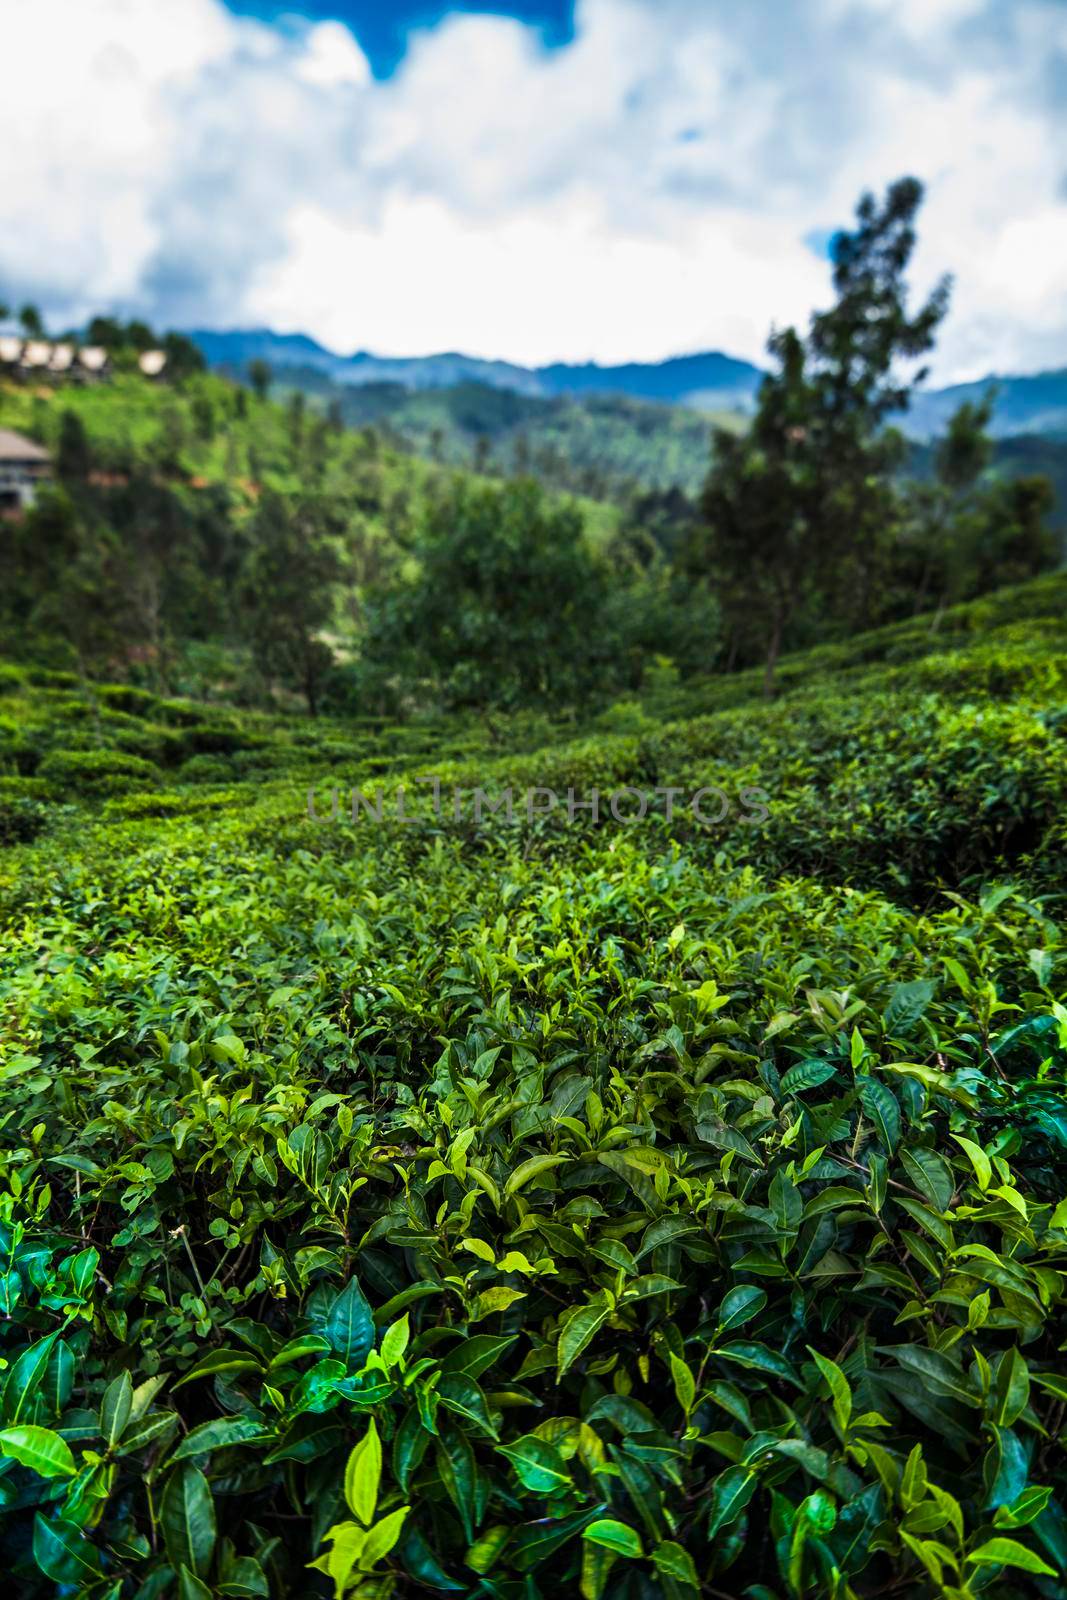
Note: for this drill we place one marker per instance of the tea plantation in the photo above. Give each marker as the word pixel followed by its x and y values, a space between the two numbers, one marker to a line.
pixel 543 1207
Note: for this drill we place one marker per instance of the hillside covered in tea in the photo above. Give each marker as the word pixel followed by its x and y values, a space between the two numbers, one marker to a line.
pixel 648 1208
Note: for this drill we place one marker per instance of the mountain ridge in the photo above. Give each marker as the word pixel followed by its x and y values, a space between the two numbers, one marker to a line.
pixel 717 380
pixel 703 381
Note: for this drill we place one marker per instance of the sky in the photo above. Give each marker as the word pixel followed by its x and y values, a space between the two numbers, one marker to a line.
pixel 535 180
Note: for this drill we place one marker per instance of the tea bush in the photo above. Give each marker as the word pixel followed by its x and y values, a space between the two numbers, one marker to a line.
pixel 539 1209
pixel 95 772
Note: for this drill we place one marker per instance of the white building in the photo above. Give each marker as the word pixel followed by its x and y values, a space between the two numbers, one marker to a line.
pixel 23 465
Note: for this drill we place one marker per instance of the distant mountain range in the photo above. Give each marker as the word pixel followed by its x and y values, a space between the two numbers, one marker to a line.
pixel 1036 403
pixel 709 381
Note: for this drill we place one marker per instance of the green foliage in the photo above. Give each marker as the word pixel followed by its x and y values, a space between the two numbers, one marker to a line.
pixel 287 592
pixel 94 772
pixel 536 1209
pixel 143 552
pixel 504 602
pixel 962 534
pixel 597 445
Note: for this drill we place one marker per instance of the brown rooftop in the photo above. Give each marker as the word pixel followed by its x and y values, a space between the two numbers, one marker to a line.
pixel 16 447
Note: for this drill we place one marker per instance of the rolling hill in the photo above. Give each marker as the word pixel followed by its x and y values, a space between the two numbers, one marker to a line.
pixel 600 445
pixel 598 430
pixel 707 381
pixel 596 444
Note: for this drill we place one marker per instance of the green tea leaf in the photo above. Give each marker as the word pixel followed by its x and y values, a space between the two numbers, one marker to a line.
pixel 43 1451
pixel 1010 1553
pixel 349 1325
pixel 363 1475
pixel 616 1537
pixel 538 1465
pixel 838 1385
pixel 578 1333
pixel 730 1494
pixel 187 1517
pixel 383 1536
pixel 219 1434
pixel 115 1409
pixel 63 1553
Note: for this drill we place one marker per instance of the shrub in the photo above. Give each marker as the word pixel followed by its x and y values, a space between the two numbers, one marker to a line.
pixel 205 769
pixel 94 773
pixel 124 697
pixel 183 713
pixel 22 817
pixel 220 739
pixel 47 678
pixel 153 803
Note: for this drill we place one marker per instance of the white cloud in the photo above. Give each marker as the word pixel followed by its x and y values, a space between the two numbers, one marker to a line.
pixel 644 191
pixel 418 281
pixel 332 57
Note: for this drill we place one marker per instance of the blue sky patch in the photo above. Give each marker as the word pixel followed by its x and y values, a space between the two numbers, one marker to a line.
pixel 382 26
pixel 820 242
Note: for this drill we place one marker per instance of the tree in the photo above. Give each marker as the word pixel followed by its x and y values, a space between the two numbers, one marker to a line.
pixel 260 376
pixel 73 455
pixel 1009 539
pixel 139 336
pixel 286 595
pixel 965 531
pixel 204 420
pixel 506 604
pixel 106 332
pixel 295 415
pixel 797 507
pixel 184 358
pixel 31 322
pixel 65 581
pixel 935 511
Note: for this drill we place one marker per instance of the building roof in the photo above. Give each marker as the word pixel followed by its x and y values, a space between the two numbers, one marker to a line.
pixel 16 447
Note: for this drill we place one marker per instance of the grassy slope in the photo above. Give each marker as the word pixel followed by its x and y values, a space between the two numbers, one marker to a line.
pixel 253 445
pixel 660 1078
pixel 1005 653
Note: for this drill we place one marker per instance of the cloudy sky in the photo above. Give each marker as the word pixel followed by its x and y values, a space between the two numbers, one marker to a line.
pixel 532 179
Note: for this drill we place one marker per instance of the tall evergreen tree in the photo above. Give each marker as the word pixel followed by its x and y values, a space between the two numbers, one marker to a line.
pixel 795 506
